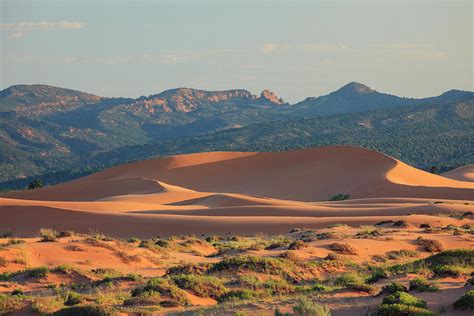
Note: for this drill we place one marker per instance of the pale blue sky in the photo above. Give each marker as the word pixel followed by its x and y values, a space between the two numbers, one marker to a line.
pixel 295 48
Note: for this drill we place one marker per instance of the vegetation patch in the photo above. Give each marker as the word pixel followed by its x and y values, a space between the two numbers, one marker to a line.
pixel 465 302
pixel 343 248
pixel 203 286
pixel 422 285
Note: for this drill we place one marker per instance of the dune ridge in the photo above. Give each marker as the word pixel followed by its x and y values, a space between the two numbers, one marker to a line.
pixel 240 192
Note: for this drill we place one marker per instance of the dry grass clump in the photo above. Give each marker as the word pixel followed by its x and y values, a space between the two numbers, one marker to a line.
pixel 297 245
pixel 48 235
pixel 343 248
pixel 430 245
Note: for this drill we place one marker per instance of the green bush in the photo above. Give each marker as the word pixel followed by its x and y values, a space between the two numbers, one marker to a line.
pixel 339 197
pixel 163 287
pixel 401 310
pixel 48 234
pixel 86 310
pixel 422 285
pixel 405 299
pixel 297 245
pixel 40 272
pixel 376 275
pixel 466 301
pixel 72 298
pixel 393 287
pixel 306 307
pixel 451 262
pixel 203 286
pixel 241 294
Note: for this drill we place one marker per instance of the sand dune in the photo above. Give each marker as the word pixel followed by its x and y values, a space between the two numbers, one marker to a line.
pixel 464 173
pixel 221 192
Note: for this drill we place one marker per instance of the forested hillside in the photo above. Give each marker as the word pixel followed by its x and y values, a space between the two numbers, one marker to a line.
pixel 423 136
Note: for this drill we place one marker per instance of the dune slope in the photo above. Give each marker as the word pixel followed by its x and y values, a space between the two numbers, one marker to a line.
pixel 239 192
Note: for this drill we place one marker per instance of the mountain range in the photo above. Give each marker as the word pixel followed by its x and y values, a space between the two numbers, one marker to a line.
pixel 45 129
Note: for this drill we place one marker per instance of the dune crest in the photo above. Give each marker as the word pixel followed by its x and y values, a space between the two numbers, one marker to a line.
pixel 238 192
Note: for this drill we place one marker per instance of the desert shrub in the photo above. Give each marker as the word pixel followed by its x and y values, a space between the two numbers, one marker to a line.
pixel 196 269
pixel 401 310
pixel 10 304
pixel 65 269
pixel 348 279
pixel 400 223
pixel 381 223
pixel 66 233
pixel 466 301
pixel 393 287
pixel 404 298
pixel 425 225
pixel 376 275
pixel 164 287
pixel 430 245
pixel 306 307
pixel 12 242
pixel 451 262
pixel 241 294
pixel 297 245
pixel 72 298
pixel 152 298
pixel 276 245
pixel 17 292
pixel 368 232
pixel 339 197
pixel 278 287
pixel 470 281
pixel 86 310
pixel 422 285
pixel 275 266
pixel 451 269
pixel 403 253
pixel 291 256
pixel 354 281
pixel 40 272
pixel 48 234
pixel 204 286
pixel 343 248
pixel 3 262
pixel 134 240
pixel 362 287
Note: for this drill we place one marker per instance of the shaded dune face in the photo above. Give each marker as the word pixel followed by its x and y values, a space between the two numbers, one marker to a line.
pixel 303 175
pixel 464 173
pixel 239 192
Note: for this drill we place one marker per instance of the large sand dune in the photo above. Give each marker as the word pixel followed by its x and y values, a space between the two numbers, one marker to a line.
pixel 238 192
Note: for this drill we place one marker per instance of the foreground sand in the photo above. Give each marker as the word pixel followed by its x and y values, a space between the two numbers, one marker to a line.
pixel 240 193
pixel 104 270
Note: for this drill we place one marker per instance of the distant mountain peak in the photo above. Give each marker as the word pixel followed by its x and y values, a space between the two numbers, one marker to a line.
pixel 267 95
pixel 355 88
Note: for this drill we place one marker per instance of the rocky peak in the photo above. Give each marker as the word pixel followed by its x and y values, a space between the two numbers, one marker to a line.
pixel 271 97
pixel 354 88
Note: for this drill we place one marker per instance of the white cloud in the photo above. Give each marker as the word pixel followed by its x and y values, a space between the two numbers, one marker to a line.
pixel 269 48
pixel 17 30
pixel 411 50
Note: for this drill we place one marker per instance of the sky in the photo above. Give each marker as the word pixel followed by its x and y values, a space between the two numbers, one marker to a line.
pixel 414 48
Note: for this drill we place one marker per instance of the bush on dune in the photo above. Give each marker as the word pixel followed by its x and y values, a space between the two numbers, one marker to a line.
pixel 422 285
pixel 466 301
